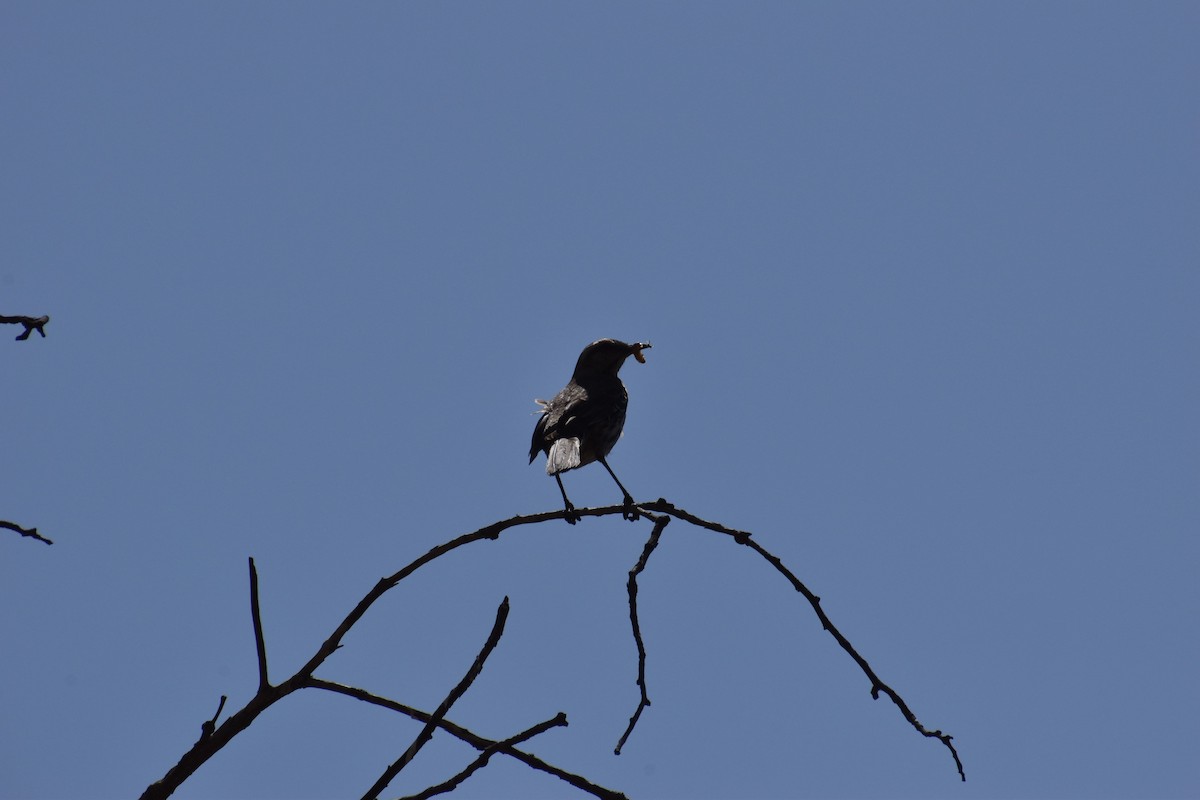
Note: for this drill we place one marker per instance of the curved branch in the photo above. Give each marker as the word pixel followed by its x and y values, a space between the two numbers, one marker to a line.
pixel 877 685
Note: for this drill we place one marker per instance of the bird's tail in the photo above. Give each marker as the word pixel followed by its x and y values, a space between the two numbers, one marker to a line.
pixel 564 455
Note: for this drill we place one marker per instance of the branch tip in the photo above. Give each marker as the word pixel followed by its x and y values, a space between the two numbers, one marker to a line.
pixel 31 533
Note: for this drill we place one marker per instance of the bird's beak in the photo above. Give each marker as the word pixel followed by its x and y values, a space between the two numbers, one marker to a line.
pixel 637 351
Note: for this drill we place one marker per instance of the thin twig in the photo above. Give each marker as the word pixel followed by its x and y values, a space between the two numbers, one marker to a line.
pixel 31 324
pixel 660 523
pixel 560 720
pixel 260 644
pixel 473 739
pixel 427 732
pixel 32 533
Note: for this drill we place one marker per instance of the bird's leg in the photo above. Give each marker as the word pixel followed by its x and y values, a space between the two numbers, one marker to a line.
pixel 629 511
pixel 572 516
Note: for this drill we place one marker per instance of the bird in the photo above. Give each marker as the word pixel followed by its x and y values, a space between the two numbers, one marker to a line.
pixel 584 420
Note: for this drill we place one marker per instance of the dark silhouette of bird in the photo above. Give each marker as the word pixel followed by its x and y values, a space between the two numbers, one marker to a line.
pixel 583 421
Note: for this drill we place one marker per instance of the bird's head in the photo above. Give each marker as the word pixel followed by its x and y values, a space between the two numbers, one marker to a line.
pixel 605 357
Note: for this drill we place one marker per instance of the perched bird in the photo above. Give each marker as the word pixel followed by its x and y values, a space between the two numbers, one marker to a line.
pixel 583 421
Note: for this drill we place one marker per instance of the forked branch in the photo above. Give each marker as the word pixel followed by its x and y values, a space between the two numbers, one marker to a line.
pixel 31 324
pixel 659 511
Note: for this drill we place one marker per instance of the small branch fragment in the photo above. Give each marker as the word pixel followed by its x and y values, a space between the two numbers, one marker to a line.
pixel 31 324
pixel 32 533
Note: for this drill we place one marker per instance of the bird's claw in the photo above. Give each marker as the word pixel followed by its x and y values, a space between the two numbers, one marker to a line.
pixel 630 511
pixel 572 516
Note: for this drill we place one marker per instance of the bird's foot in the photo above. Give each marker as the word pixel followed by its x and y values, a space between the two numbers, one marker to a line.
pixel 572 516
pixel 630 511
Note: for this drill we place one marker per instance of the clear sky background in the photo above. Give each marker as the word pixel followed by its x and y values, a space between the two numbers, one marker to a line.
pixel 922 281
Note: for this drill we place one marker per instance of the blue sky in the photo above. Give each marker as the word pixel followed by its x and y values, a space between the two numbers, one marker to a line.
pixel 922 284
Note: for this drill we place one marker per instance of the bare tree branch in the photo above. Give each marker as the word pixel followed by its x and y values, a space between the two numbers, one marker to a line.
pixel 459 689
pixel 32 533
pixel 560 720
pixel 877 685
pixel 473 739
pixel 660 523
pixel 268 694
pixel 31 324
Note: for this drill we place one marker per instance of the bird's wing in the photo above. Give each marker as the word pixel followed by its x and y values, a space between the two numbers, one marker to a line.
pixel 569 414
pixel 564 417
